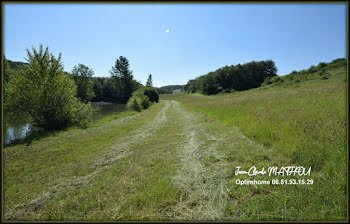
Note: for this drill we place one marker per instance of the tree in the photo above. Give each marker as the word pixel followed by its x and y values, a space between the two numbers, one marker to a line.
pixel 98 90
pixel 7 69
pixel 46 94
pixel 232 78
pixel 82 77
pixel 149 82
pixel 121 70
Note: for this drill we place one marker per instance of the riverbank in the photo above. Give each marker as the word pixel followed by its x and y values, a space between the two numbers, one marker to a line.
pixel 101 103
pixel 16 130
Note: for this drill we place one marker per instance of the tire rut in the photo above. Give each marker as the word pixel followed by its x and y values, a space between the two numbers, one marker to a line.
pixel 203 187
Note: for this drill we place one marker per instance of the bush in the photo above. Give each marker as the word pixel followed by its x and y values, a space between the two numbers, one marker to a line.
pixel 145 102
pixel 134 103
pixel 276 79
pixel 321 65
pixel 150 92
pixel 267 81
pixel 138 101
pixel 312 69
pixel 46 94
pixel 83 113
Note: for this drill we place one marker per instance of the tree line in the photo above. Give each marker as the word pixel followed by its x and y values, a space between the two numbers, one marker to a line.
pixel 169 89
pixel 54 99
pixel 233 78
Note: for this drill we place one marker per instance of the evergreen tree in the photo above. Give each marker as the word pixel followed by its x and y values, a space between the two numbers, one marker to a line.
pixel 149 82
pixel 122 72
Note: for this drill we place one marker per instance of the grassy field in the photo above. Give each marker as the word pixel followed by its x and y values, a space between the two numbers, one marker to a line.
pixel 176 160
pixel 304 124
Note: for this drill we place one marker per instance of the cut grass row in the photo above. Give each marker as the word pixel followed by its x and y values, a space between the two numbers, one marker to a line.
pixel 305 123
pixel 29 170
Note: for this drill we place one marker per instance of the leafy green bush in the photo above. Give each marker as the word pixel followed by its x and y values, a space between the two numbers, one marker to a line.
pixel 312 69
pixel 138 101
pixel 134 103
pixel 46 94
pixel 267 81
pixel 83 113
pixel 145 102
pixel 150 92
pixel 272 80
pixel 276 79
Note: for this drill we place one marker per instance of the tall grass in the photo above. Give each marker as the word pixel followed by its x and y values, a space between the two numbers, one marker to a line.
pixel 305 123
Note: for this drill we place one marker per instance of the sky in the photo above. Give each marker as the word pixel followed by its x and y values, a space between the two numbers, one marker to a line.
pixel 177 42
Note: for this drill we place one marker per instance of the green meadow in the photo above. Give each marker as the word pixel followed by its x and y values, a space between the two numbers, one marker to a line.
pixel 304 124
pixel 177 159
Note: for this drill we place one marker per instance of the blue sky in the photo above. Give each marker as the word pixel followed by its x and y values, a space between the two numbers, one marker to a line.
pixel 200 37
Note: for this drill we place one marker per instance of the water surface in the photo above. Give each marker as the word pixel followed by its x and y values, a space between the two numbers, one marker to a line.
pixel 17 129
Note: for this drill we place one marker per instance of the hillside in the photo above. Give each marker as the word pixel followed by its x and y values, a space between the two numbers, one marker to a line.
pixel 12 67
pixel 255 74
pixel 299 121
pixel 169 89
pixel 321 71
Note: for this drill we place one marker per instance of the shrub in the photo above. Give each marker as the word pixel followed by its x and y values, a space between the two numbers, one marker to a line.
pixel 83 113
pixel 312 69
pixel 267 81
pixel 321 65
pixel 134 103
pixel 145 102
pixel 276 79
pixel 138 101
pixel 46 94
pixel 150 92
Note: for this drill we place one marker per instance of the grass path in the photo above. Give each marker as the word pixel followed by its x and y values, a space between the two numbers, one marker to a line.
pixel 165 163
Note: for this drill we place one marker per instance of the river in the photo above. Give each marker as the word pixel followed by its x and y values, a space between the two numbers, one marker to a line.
pixel 16 130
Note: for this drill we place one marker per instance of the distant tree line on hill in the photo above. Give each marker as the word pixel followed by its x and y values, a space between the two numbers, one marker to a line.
pixel 233 78
pixel 321 71
pixel 169 89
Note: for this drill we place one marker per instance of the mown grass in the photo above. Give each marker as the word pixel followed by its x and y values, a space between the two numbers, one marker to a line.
pixel 112 117
pixel 28 170
pixel 298 124
pixel 305 124
pixel 137 187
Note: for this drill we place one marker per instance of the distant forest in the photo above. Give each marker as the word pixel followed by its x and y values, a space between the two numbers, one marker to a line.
pixel 255 74
pixel 169 89
pixel 233 78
